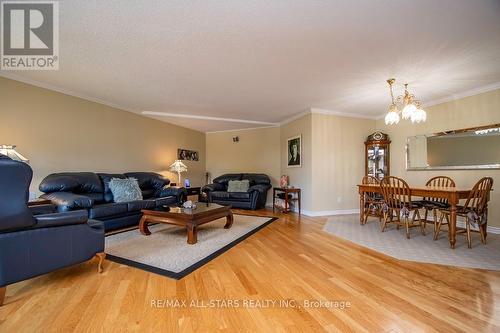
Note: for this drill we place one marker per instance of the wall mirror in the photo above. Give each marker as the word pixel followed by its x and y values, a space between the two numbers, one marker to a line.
pixel 469 148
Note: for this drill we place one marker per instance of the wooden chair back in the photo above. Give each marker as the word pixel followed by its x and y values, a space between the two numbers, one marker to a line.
pixel 396 192
pixel 439 181
pixel 479 196
pixel 370 180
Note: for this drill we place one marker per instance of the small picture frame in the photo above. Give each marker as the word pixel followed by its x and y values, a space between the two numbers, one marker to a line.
pixel 187 182
pixel 294 151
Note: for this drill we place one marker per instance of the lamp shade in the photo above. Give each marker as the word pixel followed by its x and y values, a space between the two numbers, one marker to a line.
pixel 178 166
pixel 10 151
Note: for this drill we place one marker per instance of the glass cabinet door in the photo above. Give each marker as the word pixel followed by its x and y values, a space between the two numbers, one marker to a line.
pixel 377 155
pixel 377 161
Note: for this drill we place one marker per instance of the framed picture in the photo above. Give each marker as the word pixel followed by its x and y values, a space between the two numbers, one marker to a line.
pixel 294 156
pixel 187 155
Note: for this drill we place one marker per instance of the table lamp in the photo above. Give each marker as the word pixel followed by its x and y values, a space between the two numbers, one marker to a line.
pixel 10 151
pixel 178 167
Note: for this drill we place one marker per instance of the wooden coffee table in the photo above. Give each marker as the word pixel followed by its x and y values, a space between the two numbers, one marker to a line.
pixel 188 218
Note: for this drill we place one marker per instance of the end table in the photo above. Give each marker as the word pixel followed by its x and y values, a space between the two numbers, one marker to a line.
pixel 287 191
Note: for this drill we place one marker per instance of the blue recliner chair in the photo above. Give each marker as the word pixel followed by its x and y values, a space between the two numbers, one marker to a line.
pixel 32 245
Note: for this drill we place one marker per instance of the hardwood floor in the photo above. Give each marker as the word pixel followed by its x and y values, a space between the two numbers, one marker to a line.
pixel 291 259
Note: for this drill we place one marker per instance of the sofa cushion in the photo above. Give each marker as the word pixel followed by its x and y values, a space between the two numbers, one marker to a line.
pixel 230 196
pixel 149 182
pixel 125 190
pixel 58 183
pixel 137 205
pixel 76 182
pixel 238 186
pixel 148 194
pixel 224 179
pixel 107 210
pixel 256 178
pixel 106 178
pixel 98 198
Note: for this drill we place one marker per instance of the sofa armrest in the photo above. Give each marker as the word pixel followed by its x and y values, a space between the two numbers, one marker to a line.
pixel 212 187
pixel 61 219
pixel 43 209
pixel 168 191
pixel 262 188
pixel 66 201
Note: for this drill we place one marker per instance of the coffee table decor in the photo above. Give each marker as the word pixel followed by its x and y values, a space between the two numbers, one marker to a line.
pixel 165 250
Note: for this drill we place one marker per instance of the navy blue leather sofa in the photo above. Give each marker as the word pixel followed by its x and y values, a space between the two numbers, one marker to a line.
pixel 89 191
pixel 32 245
pixel 254 198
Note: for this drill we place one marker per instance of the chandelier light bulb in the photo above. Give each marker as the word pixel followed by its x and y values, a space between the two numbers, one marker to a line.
pixel 419 116
pixel 391 118
pixel 408 111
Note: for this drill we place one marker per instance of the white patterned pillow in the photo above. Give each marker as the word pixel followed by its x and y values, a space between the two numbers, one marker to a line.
pixel 238 185
pixel 125 190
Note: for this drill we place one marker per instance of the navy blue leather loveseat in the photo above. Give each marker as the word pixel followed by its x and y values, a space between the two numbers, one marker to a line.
pixel 90 191
pixel 31 245
pixel 254 198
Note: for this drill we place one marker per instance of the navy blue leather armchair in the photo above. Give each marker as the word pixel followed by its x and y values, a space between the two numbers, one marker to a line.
pixel 32 245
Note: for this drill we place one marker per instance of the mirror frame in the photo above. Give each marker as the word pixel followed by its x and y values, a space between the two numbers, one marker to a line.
pixel 462 167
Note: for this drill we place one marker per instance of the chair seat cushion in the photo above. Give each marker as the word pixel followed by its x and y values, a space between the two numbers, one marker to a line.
pixel 137 205
pixel 460 210
pixel 414 205
pixel 107 210
pixel 430 204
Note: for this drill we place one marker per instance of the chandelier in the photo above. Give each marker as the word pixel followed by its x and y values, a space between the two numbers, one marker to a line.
pixel 411 108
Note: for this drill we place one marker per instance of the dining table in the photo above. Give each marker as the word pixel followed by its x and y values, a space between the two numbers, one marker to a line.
pixel 452 194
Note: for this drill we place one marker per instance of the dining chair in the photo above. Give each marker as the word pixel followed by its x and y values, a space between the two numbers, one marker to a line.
pixel 397 199
pixel 433 204
pixel 373 200
pixel 475 211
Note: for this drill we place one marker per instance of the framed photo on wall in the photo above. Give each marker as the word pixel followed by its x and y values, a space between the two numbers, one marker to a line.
pixel 294 156
pixel 187 155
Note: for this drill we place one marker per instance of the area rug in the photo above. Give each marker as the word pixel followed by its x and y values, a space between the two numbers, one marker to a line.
pixel 418 248
pixel 166 251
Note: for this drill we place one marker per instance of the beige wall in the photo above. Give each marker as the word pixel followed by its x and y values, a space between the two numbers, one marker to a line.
pixel 257 151
pixel 299 176
pixel 58 132
pixel 482 109
pixel 337 160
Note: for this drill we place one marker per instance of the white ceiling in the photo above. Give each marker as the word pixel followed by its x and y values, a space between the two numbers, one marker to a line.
pixel 268 60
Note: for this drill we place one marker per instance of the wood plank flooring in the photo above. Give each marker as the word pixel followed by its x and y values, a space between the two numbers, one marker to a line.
pixel 291 260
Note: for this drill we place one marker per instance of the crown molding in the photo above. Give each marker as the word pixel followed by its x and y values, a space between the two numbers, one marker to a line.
pixel 327 112
pixel 342 114
pixel 297 116
pixel 242 129
pixel 190 116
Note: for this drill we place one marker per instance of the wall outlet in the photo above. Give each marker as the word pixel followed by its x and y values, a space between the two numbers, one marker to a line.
pixel 339 199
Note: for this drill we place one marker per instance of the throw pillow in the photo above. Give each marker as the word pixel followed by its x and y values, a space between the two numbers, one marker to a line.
pixel 238 186
pixel 125 190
